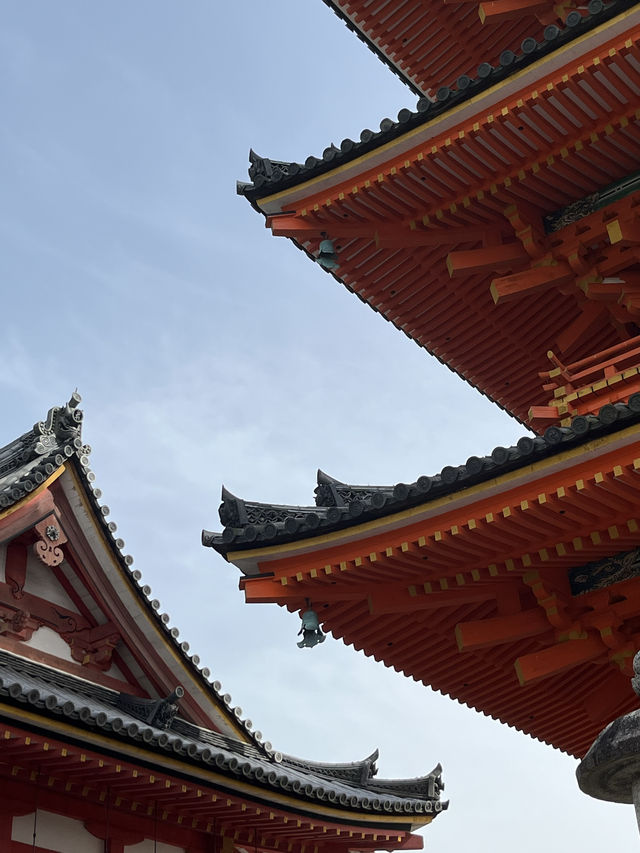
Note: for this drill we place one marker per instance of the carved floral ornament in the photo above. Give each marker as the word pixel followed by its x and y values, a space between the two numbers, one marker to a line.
pixel 51 537
pixel 23 612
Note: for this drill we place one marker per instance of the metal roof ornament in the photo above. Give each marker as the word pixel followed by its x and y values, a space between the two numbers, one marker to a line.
pixel 310 630
pixel 327 257
pixel 154 712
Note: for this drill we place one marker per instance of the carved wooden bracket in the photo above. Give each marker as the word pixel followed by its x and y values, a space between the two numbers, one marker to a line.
pixel 90 645
pixel 93 645
pixel 51 537
pixel 18 624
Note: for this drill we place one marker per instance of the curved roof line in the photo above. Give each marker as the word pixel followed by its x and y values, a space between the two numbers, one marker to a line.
pixel 381 55
pixel 30 460
pixel 271 176
pixel 338 505
pixel 52 694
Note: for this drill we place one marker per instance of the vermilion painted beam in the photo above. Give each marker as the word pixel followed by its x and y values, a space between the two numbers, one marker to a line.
pixel 303 229
pixel 502 10
pixel 501 629
pixel 59 618
pixel 489 258
pixel 27 515
pixel 388 239
pixel 399 600
pixel 530 281
pixel 272 591
pixel 558 658
pixel 543 413
pixel 385 235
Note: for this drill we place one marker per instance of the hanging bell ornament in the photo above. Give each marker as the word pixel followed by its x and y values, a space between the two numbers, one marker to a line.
pixel 327 257
pixel 310 630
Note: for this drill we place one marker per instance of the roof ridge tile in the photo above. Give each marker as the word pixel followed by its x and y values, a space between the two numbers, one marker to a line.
pixel 340 505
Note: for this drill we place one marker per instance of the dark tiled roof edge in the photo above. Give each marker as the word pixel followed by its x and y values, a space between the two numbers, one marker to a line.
pixel 339 13
pixel 30 460
pixel 341 505
pixel 269 176
pixel 275 772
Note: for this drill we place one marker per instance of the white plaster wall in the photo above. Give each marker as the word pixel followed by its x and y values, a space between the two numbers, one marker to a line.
pixel 147 846
pixel 46 640
pixel 41 581
pixel 57 833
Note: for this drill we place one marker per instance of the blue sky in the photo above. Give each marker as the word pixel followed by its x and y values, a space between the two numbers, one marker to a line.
pixel 207 351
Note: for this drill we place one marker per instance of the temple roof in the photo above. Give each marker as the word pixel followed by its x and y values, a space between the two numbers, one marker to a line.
pixel 31 460
pixel 510 583
pixel 248 524
pixel 416 41
pixel 41 693
pixel 88 707
pixel 458 225
pixel 269 176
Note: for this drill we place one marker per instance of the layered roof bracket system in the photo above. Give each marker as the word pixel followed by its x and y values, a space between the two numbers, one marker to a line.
pixel 497 226
pixel 520 572
pixel 108 722
pixel 498 221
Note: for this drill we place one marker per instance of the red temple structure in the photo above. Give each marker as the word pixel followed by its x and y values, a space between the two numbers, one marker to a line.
pixel 113 737
pixel 497 226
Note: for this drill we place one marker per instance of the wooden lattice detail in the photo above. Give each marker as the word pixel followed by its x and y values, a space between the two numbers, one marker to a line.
pixel 584 387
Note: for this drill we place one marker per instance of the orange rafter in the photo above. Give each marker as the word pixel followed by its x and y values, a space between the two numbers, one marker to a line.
pixel 506 114
pixel 585 386
pixel 417 39
pixel 441 191
pixel 487 588
pixel 488 258
pixel 502 10
pixel 383 234
pixel 554 274
pixel 591 490
pixel 558 658
pixel 73 777
pixel 486 633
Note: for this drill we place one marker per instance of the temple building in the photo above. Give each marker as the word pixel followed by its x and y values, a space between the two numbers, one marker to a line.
pixel 497 226
pixel 113 736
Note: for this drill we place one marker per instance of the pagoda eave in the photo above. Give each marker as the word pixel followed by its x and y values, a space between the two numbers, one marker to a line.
pixel 494 229
pixel 412 39
pixel 518 595
pixel 281 189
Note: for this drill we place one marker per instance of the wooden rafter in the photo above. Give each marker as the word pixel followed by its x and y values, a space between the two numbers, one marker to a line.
pixel 398 222
pixel 492 610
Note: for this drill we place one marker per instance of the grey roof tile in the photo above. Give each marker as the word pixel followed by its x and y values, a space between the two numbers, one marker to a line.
pixel 268 176
pixel 50 693
pixel 31 459
pixel 340 505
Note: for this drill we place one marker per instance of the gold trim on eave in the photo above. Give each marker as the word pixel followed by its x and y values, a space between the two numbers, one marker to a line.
pixel 486 94
pixel 229 719
pixel 31 495
pixel 407 514
pixel 194 771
